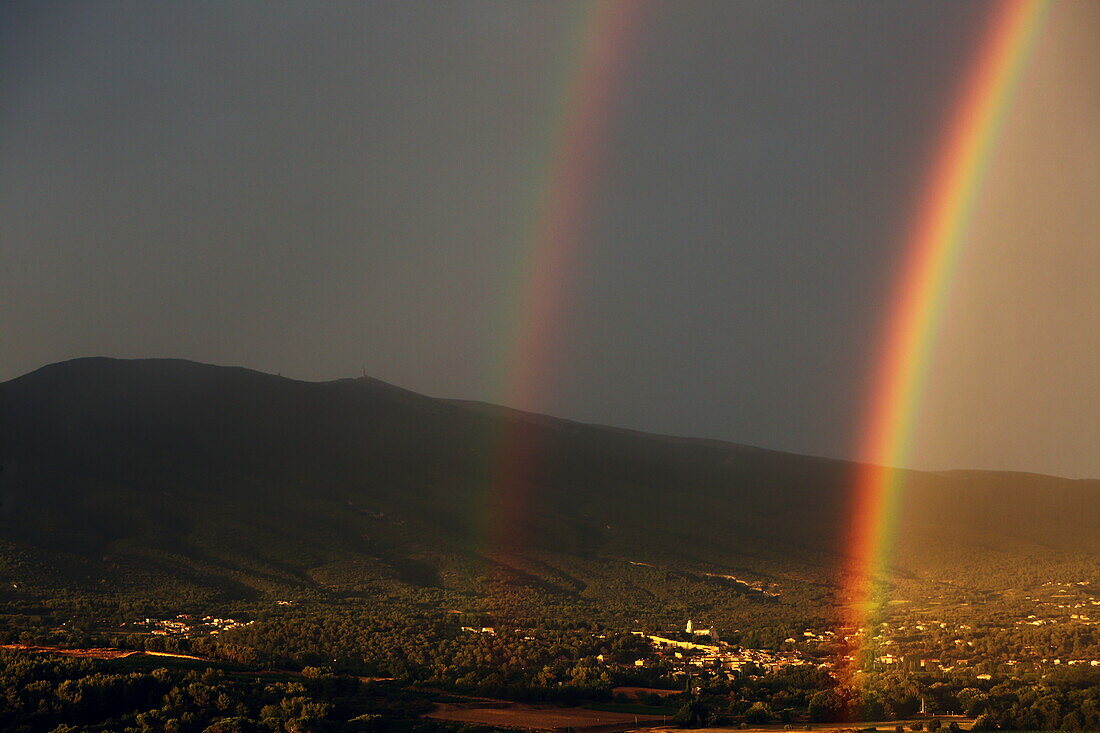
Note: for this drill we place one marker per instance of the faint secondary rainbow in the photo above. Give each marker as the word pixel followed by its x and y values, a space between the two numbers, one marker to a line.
pixel 934 241
pixel 566 179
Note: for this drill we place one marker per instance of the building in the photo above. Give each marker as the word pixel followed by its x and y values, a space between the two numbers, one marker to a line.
pixel 690 628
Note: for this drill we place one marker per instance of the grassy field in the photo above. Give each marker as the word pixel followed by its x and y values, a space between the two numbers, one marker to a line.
pixel 530 717
pixel 145 661
pixel 886 726
pixel 93 653
pixel 634 709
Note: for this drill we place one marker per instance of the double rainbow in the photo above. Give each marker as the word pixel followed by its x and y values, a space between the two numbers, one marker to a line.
pixel 569 174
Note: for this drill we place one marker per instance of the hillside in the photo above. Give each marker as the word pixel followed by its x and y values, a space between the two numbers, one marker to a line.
pixel 172 479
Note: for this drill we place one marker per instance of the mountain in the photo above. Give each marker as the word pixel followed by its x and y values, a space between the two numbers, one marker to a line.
pixel 172 479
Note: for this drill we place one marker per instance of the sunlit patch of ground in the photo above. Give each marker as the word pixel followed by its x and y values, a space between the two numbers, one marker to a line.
pixel 531 717
pixel 885 726
pixel 104 653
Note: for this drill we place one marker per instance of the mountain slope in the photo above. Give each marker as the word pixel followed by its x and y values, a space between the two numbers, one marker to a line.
pixel 192 478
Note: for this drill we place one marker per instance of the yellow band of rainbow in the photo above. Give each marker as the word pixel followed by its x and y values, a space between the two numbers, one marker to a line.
pixel 934 242
pixel 567 177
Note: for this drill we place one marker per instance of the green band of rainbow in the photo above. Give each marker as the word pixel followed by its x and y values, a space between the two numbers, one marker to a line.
pixel 567 177
pixel 934 243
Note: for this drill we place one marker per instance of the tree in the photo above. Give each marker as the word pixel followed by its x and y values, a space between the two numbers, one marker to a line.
pixel 758 713
pixel 692 714
pixel 233 725
pixel 827 706
pixel 1072 721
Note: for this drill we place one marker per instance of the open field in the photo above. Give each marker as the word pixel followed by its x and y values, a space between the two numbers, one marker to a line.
pixel 102 653
pixel 152 660
pixel 106 653
pixel 635 709
pixel 144 660
pixel 639 692
pixel 885 726
pixel 531 717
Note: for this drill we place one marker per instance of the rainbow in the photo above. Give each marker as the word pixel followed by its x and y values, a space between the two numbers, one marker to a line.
pixel 567 176
pixel 933 244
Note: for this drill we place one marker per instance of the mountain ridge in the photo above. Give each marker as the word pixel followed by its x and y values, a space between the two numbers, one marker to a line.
pixel 237 483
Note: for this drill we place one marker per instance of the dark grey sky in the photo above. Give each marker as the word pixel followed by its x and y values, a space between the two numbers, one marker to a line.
pixel 315 188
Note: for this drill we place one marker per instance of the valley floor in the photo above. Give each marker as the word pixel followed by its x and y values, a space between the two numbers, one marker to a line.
pixel 546 718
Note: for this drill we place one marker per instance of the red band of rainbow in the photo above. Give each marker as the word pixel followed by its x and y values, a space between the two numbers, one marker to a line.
pixel 568 177
pixel 934 242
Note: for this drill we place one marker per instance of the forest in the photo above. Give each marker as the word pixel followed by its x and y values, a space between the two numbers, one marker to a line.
pixel 357 669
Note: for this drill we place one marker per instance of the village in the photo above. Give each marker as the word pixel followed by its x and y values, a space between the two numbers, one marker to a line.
pixel 185 625
pixel 922 638
pixel 705 650
pixel 914 640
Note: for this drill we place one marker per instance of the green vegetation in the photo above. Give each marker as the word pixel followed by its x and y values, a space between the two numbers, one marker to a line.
pixel 46 693
pixel 346 522
pixel 325 654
